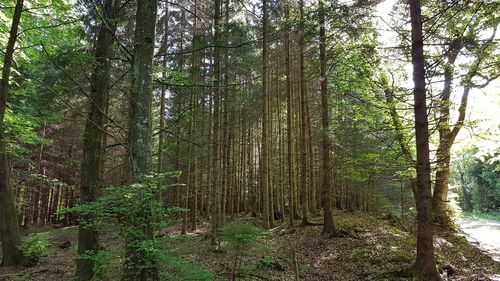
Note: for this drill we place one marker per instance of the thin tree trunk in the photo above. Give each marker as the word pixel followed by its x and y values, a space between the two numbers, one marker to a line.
pixel 265 139
pixel 304 175
pixel 329 226
pixel 9 227
pixel 161 134
pixel 289 119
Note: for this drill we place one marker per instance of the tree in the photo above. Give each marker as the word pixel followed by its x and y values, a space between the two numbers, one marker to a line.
pixel 138 264
pixel 329 226
pixel 461 35
pixel 265 169
pixel 303 122
pixel 9 228
pixel 289 120
pixel 94 130
pixel 425 264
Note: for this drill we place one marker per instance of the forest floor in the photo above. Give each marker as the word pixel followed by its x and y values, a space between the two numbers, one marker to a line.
pixel 370 249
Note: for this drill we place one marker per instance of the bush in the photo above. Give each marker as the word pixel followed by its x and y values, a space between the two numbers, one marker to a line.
pixel 241 238
pixel 33 248
pixel 134 212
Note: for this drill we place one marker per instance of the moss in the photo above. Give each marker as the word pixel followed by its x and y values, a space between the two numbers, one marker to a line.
pixel 361 254
pixel 400 255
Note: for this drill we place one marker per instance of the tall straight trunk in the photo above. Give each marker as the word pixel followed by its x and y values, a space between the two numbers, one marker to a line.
pixel 311 161
pixel 161 134
pixel 216 187
pixel 303 125
pixel 195 76
pixel 55 204
pixel 138 265
pixel 226 149
pixel 9 227
pixel 281 161
pixel 265 139
pixel 93 135
pixel 425 264
pixel 329 226
pixel 271 146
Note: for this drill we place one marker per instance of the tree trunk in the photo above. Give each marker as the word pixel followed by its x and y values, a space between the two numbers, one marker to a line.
pixel 329 226
pixel 216 182
pixel 9 227
pixel 138 266
pixel 161 134
pixel 265 139
pixel 303 125
pixel 425 264
pixel 93 135
pixel 289 119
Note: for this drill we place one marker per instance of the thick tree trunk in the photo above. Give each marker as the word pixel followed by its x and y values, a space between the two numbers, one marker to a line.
pixel 425 264
pixel 439 203
pixel 440 210
pixel 138 267
pixel 93 135
pixel 9 227
pixel 329 226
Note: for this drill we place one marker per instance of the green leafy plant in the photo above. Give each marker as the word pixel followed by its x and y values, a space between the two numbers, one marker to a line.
pixel 135 211
pixel 266 261
pixel 241 238
pixel 33 247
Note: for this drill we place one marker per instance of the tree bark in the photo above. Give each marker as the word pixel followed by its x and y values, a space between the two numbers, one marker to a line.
pixel 425 264
pixel 9 227
pixel 265 139
pixel 138 267
pixel 303 125
pixel 329 226
pixel 93 135
pixel 216 181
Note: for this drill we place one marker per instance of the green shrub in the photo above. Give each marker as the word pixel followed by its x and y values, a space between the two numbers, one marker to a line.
pixel 33 247
pixel 241 238
pixel 134 212
pixel 241 234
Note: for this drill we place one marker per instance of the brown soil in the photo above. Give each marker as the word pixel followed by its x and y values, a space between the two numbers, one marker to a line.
pixel 368 249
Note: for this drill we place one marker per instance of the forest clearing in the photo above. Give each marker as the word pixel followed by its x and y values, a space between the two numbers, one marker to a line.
pixel 152 140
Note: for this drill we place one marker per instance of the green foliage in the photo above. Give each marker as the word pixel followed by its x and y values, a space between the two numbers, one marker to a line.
pixel 135 211
pixel 33 247
pixel 266 261
pixel 492 215
pixel 478 181
pixel 176 268
pixel 242 234
pixel 241 238
pixel 130 207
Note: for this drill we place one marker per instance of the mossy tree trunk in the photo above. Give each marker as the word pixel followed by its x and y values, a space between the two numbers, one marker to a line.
pixel 139 264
